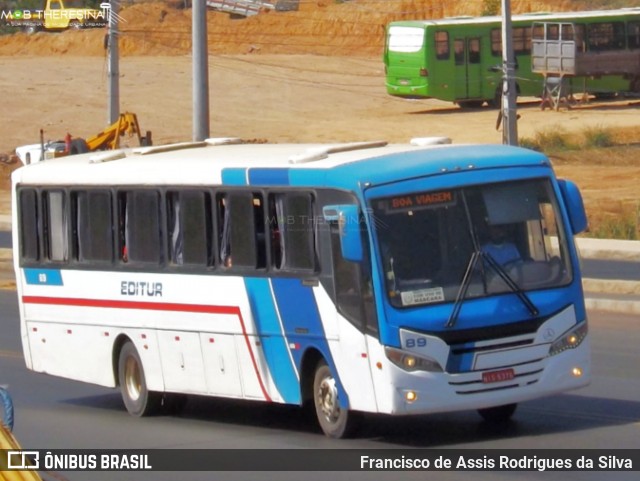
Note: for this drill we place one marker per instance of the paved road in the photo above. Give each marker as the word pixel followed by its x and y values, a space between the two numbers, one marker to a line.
pixel 53 413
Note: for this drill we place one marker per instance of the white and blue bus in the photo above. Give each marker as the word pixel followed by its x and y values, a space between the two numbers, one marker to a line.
pixel 358 277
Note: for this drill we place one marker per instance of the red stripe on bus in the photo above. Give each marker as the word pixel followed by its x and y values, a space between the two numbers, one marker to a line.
pixel 155 306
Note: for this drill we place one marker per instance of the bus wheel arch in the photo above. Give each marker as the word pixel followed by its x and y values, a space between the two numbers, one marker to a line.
pixel 137 398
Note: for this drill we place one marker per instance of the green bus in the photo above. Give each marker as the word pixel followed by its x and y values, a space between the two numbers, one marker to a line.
pixel 460 59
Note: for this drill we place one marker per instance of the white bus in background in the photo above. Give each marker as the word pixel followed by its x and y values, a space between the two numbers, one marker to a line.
pixel 353 277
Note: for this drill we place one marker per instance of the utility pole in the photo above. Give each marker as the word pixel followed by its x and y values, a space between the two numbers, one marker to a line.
pixel 509 93
pixel 113 64
pixel 200 70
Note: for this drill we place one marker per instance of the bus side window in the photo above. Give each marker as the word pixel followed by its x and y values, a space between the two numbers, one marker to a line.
pixel 189 228
pixel 56 227
pixel 139 223
pixel 29 219
pixel 633 35
pixel 353 287
pixel 442 45
pixel 292 231
pixel 93 233
pixel 242 230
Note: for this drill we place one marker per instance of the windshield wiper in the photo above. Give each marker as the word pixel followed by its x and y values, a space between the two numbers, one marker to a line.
pixel 510 283
pixel 466 281
pixel 464 287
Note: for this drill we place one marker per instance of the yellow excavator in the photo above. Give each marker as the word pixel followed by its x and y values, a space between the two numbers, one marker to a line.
pixel 109 139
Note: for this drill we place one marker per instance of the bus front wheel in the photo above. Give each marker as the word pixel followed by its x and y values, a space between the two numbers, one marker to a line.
pixel 335 421
pixel 138 400
pixel 498 414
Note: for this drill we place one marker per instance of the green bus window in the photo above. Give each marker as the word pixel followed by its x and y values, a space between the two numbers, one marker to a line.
pixel 496 42
pixel 522 41
pixel 442 45
pixel 606 36
pixel 579 36
pixel 458 51
pixel 93 231
pixel 29 238
pixel 474 50
pixel 633 35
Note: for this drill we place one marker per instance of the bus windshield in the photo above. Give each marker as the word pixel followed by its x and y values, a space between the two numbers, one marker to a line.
pixel 481 240
pixel 405 39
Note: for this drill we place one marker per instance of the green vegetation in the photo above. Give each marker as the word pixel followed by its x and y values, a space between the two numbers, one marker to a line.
pixel 597 146
pixel 624 227
pixel 554 140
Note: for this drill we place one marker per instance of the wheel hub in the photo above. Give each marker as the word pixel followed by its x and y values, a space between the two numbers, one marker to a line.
pixel 328 399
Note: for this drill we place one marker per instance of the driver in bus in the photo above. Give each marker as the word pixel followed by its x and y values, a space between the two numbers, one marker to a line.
pixel 500 246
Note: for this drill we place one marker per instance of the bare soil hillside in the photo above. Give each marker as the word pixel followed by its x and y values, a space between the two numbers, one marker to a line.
pixel 267 83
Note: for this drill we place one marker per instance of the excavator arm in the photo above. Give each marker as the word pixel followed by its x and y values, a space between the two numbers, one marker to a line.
pixel 109 139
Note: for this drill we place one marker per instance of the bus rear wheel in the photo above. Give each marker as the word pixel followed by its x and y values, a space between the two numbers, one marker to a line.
pixel 138 400
pixel 335 421
pixel 498 414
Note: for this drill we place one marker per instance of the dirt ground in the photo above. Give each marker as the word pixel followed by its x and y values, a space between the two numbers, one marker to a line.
pixel 287 98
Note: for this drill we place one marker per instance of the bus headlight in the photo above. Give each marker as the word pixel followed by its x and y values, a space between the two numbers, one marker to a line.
pixel 570 339
pixel 411 362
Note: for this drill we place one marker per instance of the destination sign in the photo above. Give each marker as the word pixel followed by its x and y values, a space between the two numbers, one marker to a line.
pixel 420 200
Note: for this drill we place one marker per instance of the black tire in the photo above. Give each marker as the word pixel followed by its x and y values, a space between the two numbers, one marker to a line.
pixel 138 400
pixel 498 414
pixel 79 146
pixel 334 421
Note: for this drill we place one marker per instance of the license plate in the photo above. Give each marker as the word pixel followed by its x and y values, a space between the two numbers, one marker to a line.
pixel 498 376
pixel 404 82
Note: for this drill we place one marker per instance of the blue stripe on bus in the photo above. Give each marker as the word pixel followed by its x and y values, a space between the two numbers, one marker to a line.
pixel 234 176
pixel 43 277
pixel 264 176
pixel 275 348
pixel 296 304
pixel 303 324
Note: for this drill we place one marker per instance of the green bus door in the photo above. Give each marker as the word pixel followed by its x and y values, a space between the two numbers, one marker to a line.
pixel 468 74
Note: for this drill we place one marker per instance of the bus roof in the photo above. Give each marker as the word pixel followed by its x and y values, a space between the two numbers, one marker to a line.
pixel 528 17
pixel 347 166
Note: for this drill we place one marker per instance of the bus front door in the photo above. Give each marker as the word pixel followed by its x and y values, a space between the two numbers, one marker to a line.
pixel 468 73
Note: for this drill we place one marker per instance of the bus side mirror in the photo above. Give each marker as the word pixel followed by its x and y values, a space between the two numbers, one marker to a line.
pixel 575 206
pixel 349 225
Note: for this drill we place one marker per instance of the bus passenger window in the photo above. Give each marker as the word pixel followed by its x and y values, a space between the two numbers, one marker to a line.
pixel 496 42
pixel 93 226
pixel 458 51
pixel 56 226
pixel 442 45
pixel 189 228
pixel 292 231
pixel 139 222
pixel 242 230
pixel 633 35
pixel 606 36
pixel 29 238
pixel 474 50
